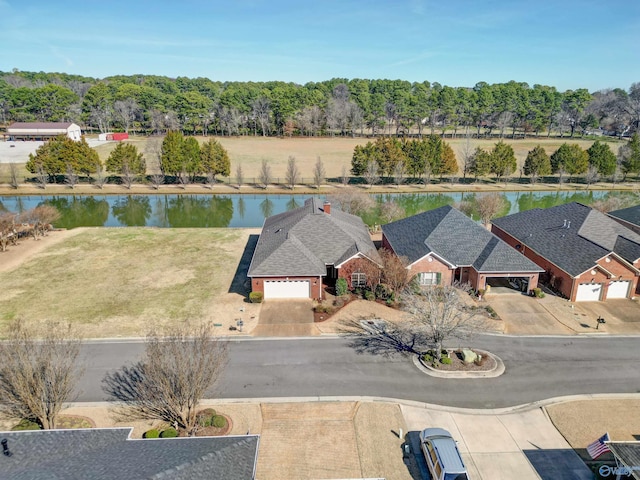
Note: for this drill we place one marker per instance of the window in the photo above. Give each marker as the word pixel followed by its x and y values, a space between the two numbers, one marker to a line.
pixel 358 280
pixel 429 278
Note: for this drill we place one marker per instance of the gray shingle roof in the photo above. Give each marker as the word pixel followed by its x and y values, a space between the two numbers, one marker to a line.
pixel 303 241
pixel 108 453
pixel 453 236
pixel 572 236
pixel 631 214
pixel 628 453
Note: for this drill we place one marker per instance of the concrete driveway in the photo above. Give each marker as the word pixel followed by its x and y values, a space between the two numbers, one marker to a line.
pixel 524 445
pixel 622 316
pixel 524 315
pixel 286 318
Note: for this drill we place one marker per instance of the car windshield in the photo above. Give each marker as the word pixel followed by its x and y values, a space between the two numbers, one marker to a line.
pixel 456 476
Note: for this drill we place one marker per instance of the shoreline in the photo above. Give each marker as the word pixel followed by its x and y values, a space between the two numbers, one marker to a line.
pixel 226 189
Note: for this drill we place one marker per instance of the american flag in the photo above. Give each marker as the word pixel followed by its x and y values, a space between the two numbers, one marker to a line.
pixel 598 447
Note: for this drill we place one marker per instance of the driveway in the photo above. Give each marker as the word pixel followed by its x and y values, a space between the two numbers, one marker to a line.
pixel 286 318
pixel 495 447
pixel 523 315
pixel 622 316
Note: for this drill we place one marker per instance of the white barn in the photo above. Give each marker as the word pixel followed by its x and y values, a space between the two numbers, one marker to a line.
pixel 43 130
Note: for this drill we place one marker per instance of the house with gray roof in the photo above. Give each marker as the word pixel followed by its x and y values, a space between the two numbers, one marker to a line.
pixel 629 217
pixel 300 250
pixel 108 453
pixel 586 255
pixel 444 246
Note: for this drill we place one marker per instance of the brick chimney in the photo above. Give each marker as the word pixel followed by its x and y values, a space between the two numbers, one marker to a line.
pixel 327 208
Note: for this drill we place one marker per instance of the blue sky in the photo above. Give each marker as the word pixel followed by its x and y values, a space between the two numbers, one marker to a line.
pixel 565 43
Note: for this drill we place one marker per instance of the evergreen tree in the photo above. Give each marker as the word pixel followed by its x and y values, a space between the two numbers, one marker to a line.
pixel 126 156
pixel 629 155
pixel 503 160
pixel 172 153
pixel 214 159
pixel 601 157
pixel 537 163
pixel 570 158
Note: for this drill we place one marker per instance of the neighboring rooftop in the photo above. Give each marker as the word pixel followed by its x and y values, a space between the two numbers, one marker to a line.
pixel 630 215
pixel 109 453
pixel 39 125
pixel 572 236
pixel 303 241
pixel 454 237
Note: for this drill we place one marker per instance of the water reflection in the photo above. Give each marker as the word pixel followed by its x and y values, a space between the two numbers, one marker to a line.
pixel 251 210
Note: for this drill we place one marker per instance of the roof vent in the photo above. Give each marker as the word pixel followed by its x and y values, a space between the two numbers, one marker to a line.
pixel 569 224
pixel 564 225
pixel 5 448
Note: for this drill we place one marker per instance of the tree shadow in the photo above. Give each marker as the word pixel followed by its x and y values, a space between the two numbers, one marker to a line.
pixel 386 341
pixel 239 284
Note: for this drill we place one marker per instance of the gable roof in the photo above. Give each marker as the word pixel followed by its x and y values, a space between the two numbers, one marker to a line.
pixel 303 241
pixel 106 453
pixel 454 237
pixel 630 215
pixel 572 236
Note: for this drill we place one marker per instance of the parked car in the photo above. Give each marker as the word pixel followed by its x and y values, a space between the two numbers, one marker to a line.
pixel 442 455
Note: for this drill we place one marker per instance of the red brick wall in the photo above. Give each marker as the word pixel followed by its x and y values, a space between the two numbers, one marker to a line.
pixel 363 265
pixel 620 271
pixel 424 265
pixel 257 284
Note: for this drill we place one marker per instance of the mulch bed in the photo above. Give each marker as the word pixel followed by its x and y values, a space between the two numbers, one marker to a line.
pixel 458 365
pixel 74 421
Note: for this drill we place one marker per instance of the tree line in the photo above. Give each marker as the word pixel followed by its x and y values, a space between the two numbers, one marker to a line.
pixel 420 158
pixel 199 106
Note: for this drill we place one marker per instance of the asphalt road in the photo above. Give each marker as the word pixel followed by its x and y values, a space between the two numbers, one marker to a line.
pixel 536 369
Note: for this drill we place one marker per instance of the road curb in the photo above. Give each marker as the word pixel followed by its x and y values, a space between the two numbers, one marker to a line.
pixel 493 373
pixel 409 403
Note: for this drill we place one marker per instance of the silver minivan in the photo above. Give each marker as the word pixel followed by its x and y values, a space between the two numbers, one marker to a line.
pixel 441 453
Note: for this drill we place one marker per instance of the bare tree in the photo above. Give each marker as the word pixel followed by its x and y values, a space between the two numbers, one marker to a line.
pixel 127 177
pixel 399 172
pixel 8 233
pixel 41 177
pixel 173 376
pixel 292 175
pixel 427 173
pixel 239 175
pixel 265 174
pixel 394 271
pixel 319 173
pixel 184 178
pixel 13 176
pixel 561 175
pixel 371 174
pixel 440 314
pixel 70 177
pixel 353 201
pixel 391 211
pixel 489 206
pixel 125 111
pixel 344 177
pixel 592 175
pixel 38 372
pixel 101 178
pixel 467 155
pixel 40 218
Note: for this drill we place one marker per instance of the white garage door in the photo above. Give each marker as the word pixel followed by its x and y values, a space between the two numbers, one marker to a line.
pixel 286 289
pixel 589 292
pixel 618 289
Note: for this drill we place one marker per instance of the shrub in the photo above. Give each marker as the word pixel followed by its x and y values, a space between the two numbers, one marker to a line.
pixel 383 291
pixel 369 295
pixel 341 287
pixel 445 361
pixel 338 303
pixel 219 421
pixel 169 433
pixel 256 297
pixel 26 424
pixel 491 312
pixel 153 433
pixel 479 360
pixel 538 293
pixel 205 417
pixel 481 292
pixel 427 357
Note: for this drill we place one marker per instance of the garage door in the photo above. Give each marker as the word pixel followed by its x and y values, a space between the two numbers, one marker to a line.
pixel 286 289
pixel 618 289
pixel 589 292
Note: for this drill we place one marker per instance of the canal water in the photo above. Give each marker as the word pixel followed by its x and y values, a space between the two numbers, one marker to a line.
pixel 180 211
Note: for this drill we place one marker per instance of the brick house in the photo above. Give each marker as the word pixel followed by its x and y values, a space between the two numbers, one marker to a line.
pixel 301 250
pixel 587 256
pixel 444 246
